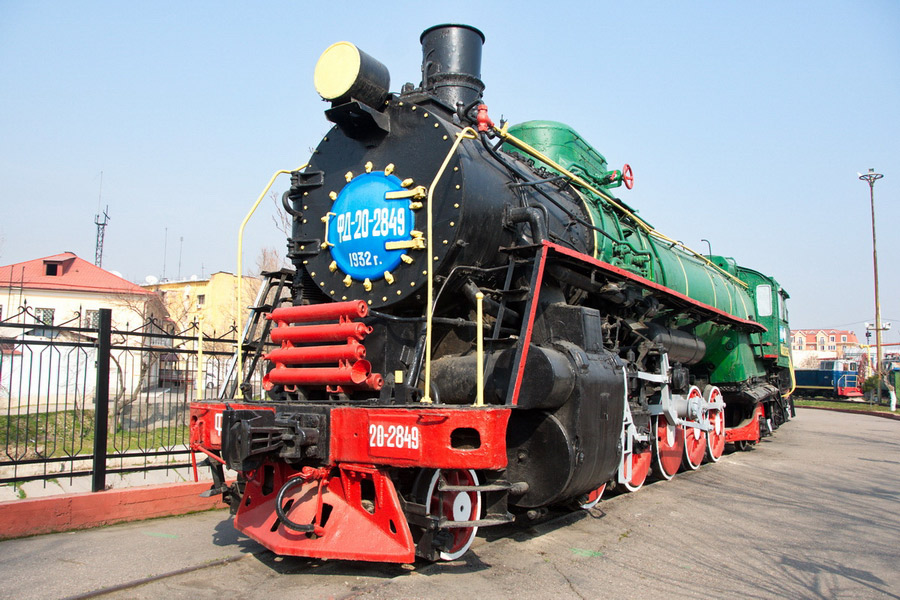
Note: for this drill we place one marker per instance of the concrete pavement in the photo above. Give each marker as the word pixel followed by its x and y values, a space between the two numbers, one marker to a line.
pixel 810 513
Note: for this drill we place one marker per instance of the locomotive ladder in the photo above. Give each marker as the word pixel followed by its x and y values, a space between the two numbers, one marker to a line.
pixel 510 269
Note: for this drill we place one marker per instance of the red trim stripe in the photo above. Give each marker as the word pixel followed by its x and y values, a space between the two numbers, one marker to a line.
pixel 643 281
pixel 526 340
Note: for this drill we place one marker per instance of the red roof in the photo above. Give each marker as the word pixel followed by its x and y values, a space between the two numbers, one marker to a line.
pixel 71 274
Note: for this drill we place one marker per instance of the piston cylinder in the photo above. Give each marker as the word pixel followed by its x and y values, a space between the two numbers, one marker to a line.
pixel 681 346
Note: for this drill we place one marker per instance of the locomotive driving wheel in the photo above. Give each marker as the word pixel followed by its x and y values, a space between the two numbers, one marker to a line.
pixel 694 437
pixel 668 447
pixel 715 437
pixel 451 505
pixel 694 447
pixel 640 468
pixel 593 498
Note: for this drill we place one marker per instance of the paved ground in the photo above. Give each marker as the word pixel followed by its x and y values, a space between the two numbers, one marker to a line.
pixel 810 513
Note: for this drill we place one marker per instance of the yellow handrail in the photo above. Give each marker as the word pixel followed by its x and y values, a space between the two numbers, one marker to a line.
pixel 479 349
pixel 239 372
pixel 467 133
pixel 793 376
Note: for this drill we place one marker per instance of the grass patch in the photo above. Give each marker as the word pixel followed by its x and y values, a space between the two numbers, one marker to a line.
pixel 157 437
pixel 71 432
pixel 17 489
pixel 822 403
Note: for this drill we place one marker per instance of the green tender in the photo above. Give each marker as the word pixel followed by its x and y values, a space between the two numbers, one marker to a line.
pixel 731 353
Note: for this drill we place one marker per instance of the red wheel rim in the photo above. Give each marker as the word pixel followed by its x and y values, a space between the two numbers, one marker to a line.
pixel 694 439
pixel 694 447
pixel 455 506
pixel 715 438
pixel 640 468
pixel 669 447
pixel 594 497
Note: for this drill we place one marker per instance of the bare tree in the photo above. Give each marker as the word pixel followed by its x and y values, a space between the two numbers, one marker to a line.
pixel 282 220
pixel 269 259
pixel 153 314
pixel 810 362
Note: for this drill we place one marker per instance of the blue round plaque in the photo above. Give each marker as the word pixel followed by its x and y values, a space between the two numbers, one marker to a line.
pixel 363 221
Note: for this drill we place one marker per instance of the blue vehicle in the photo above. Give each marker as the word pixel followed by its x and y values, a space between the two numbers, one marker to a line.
pixel 836 378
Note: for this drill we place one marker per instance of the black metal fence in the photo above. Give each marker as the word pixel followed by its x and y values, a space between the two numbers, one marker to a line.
pixel 89 401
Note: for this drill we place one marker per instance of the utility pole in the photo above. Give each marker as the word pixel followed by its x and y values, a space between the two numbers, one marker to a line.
pixel 165 252
pixel 871 177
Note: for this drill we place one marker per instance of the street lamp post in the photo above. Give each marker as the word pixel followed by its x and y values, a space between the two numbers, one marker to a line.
pixel 871 177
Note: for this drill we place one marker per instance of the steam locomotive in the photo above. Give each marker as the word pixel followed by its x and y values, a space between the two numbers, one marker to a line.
pixel 477 330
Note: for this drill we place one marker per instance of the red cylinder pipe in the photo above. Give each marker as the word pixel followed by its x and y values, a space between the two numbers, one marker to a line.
pixel 353 374
pixel 375 381
pixel 352 350
pixel 320 312
pixel 334 332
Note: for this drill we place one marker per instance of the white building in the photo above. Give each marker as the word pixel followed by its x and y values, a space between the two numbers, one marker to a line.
pixel 66 291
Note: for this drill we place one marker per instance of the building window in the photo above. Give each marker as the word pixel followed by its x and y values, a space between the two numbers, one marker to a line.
pixel 832 347
pixel 843 338
pixel 201 299
pixel 44 315
pixel 51 269
pixel 831 339
pixel 92 319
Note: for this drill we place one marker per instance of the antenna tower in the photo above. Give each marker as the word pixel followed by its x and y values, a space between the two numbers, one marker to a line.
pixel 101 226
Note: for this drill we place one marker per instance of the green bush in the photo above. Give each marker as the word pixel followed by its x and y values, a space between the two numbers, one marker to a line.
pixel 870 384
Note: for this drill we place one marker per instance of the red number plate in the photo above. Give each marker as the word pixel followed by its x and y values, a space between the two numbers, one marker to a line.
pixel 395 436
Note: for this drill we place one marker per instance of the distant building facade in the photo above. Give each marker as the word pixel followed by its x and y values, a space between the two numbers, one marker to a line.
pixel 39 296
pixel 212 300
pixel 811 345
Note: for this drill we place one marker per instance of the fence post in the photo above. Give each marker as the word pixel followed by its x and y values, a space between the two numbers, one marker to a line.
pixel 201 375
pixel 101 401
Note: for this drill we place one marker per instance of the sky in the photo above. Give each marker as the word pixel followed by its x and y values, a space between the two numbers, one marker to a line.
pixel 746 124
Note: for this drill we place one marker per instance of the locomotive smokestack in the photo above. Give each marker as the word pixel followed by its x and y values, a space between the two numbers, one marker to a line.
pixel 451 63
